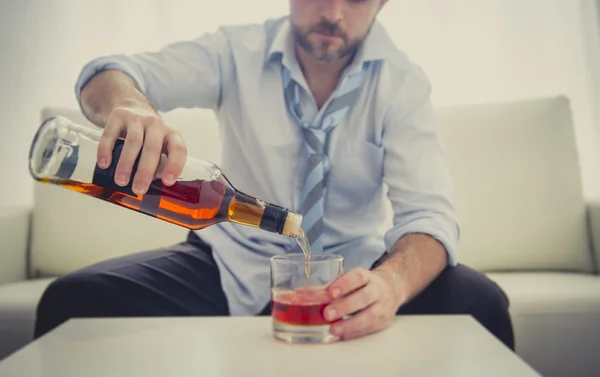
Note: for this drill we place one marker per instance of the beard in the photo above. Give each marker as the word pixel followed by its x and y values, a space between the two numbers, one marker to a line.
pixel 324 50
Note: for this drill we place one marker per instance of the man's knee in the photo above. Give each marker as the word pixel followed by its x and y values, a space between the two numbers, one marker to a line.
pixel 67 297
pixel 476 289
pixel 462 290
pixel 458 288
pixel 484 299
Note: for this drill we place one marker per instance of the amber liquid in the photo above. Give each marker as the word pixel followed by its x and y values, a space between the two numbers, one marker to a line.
pixel 194 204
pixel 300 310
pixel 305 246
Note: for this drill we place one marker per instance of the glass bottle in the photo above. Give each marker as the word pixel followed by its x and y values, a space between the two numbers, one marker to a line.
pixel 64 153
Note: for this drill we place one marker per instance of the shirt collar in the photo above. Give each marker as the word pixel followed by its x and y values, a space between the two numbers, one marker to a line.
pixel 283 44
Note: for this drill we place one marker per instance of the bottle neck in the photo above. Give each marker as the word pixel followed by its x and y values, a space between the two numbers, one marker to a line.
pixel 274 218
pixel 247 210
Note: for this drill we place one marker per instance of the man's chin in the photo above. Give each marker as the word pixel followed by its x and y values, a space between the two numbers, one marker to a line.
pixel 330 53
pixel 328 58
pixel 326 55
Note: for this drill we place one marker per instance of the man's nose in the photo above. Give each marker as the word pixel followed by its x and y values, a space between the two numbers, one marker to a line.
pixel 332 10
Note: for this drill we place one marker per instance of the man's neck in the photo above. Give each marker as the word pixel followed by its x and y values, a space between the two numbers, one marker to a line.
pixel 321 76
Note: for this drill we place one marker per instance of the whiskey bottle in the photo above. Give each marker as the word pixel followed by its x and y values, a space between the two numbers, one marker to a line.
pixel 64 153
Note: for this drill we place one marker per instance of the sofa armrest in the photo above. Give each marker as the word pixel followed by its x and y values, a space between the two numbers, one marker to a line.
pixel 594 228
pixel 14 236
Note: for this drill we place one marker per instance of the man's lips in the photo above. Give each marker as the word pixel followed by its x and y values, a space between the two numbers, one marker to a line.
pixel 325 34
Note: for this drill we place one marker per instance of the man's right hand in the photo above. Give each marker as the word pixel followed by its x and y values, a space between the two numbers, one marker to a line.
pixel 144 131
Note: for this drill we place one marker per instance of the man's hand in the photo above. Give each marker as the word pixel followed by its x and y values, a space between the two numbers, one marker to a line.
pixel 113 101
pixel 373 295
pixel 144 131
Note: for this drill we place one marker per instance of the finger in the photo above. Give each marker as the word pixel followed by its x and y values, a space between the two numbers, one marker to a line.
pixel 151 151
pixel 365 322
pixel 131 149
pixel 354 302
pixel 177 155
pixel 353 280
pixel 112 130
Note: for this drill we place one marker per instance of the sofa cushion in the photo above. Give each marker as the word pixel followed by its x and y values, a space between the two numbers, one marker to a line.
pixel 517 185
pixel 18 303
pixel 14 234
pixel 594 225
pixel 71 231
pixel 556 317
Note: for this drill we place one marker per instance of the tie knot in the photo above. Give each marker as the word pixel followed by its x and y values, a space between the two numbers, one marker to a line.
pixel 315 139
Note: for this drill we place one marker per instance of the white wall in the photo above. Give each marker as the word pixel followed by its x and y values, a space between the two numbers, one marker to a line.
pixel 473 51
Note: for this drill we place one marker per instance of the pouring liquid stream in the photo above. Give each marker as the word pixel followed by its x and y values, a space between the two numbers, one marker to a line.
pixel 305 246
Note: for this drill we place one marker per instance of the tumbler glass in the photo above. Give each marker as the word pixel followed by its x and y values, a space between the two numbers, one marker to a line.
pixel 299 296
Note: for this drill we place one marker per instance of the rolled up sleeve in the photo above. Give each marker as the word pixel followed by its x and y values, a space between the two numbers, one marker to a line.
pixel 415 169
pixel 184 74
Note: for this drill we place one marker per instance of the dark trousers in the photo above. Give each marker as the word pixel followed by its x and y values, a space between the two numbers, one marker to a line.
pixel 183 280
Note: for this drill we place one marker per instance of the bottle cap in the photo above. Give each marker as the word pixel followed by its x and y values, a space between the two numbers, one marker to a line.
pixel 292 224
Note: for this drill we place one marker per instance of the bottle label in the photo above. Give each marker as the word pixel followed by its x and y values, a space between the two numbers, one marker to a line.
pixel 106 177
pixel 67 167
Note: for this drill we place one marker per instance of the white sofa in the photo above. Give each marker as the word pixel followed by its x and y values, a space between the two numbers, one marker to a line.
pixel 517 190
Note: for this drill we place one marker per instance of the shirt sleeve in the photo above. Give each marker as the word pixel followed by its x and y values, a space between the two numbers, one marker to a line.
pixel 415 168
pixel 191 73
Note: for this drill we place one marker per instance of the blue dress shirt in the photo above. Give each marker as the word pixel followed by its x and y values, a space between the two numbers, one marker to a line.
pixel 385 152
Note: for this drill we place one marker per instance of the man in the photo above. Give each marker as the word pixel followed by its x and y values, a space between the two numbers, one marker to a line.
pixel 317 105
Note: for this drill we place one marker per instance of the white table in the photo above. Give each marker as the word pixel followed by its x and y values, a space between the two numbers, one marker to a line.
pixel 421 346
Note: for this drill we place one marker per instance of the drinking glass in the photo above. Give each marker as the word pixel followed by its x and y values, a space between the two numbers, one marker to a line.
pixel 299 297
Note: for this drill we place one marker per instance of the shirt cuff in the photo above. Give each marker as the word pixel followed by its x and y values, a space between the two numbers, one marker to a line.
pixel 95 66
pixel 447 238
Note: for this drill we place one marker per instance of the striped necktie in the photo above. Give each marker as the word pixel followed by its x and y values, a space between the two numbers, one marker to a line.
pixel 312 196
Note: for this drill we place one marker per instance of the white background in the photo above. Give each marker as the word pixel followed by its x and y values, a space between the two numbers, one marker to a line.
pixel 472 50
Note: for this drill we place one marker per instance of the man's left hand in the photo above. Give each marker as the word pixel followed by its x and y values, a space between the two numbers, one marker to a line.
pixel 373 295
